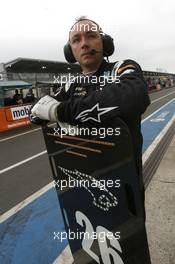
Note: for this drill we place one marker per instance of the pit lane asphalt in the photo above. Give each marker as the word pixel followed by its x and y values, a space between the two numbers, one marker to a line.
pixel 18 183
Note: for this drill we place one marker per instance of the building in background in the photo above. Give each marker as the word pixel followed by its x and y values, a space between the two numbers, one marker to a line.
pixel 45 76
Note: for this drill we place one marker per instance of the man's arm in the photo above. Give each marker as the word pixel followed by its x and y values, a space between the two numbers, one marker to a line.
pixel 127 99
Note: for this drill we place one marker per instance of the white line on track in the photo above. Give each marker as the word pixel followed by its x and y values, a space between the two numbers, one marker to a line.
pixel 157 110
pixel 21 134
pixel 33 130
pixel 25 202
pixel 64 257
pixel 22 162
pixel 158 99
pixel 24 133
pixel 157 140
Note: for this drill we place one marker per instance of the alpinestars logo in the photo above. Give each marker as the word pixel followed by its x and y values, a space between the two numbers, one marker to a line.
pixel 94 113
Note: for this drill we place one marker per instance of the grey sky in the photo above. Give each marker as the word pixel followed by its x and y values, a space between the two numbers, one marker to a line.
pixel 142 30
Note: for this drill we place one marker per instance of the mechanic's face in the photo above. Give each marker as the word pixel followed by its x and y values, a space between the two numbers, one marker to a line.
pixel 84 37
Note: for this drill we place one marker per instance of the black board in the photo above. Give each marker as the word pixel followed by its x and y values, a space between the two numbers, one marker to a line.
pixel 99 194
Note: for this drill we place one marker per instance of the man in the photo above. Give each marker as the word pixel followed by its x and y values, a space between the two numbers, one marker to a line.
pixel 29 96
pixel 87 103
pixel 18 97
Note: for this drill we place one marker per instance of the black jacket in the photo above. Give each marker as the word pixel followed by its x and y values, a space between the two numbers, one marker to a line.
pixel 126 96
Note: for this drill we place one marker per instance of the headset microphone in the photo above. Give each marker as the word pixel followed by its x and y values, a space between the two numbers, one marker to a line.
pixel 93 52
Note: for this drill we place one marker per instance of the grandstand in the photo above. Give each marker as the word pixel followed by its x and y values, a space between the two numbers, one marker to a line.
pixel 45 72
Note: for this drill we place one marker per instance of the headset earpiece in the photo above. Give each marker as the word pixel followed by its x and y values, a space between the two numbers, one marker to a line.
pixel 68 54
pixel 108 45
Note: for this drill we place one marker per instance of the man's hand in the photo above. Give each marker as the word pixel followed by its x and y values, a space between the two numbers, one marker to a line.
pixel 36 120
pixel 45 109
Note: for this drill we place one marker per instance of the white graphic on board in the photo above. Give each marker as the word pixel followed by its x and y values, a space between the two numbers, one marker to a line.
pixel 109 247
pixel 104 201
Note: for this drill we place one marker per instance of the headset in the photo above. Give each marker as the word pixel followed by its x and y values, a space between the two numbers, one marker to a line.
pixel 107 41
